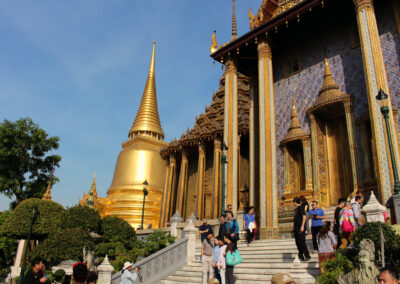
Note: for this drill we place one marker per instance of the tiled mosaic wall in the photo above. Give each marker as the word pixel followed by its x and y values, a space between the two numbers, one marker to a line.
pixel 347 69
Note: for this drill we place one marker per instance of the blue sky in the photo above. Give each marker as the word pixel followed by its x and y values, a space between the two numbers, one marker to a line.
pixel 78 68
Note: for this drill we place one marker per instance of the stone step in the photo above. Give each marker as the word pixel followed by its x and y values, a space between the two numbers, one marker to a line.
pixel 263 265
pixel 195 271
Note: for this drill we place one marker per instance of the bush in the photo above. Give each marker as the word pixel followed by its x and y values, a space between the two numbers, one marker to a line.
pixel 82 217
pixel 65 245
pixel 392 241
pixel 114 229
pixel 333 268
pixel 157 241
pixel 8 246
pixel 47 221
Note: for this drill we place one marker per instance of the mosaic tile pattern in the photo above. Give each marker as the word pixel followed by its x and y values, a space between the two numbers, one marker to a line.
pixel 347 70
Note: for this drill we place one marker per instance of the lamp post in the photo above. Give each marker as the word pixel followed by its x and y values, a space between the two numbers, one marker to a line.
pixel 382 99
pixel 145 192
pixel 223 162
pixel 33 217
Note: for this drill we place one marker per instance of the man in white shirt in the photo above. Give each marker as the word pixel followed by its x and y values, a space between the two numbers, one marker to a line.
pixel 356 207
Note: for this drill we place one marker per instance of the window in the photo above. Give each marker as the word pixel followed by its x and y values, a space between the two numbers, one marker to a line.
pixel 291 65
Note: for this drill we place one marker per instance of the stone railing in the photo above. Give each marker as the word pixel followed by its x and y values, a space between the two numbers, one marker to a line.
pixel 160 264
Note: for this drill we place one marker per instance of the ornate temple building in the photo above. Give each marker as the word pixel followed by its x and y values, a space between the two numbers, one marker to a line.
pixel 297 112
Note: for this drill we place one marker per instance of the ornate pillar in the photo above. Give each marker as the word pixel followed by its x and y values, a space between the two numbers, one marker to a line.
pixel 365 150
pixel 351 133
pixel 200 182
pixel 231 132
pixel 182 186
pixel 252 146
pixel 314 148
pixel 170 189
pixel 305 142
pixel 164 203
pixel 286 188
pixel 268 183
pixel 375 75
pixel 216 193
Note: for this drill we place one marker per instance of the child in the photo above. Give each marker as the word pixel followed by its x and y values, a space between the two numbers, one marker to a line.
pixel 215 257
pixel 221 259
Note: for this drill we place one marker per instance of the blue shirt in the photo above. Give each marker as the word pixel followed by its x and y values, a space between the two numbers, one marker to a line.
pixel 230 226
pixel 215 254
pixel 317 222
pixel 249 219
pixel 128 277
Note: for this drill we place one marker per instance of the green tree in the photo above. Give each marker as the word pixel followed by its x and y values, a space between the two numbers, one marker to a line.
pixel 115 229
pixel 8 245
pixel 47 220
pixel 25 164
pixel 65 245
pixel 82 217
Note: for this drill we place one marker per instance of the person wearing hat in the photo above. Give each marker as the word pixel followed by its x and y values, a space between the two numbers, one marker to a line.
pixel 282 278
pixel 127 276
pixel 204 230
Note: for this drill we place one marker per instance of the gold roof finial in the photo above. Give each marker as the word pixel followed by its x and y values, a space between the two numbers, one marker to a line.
pixel 214 43
pixel 328 83
pixel 147 121
pixel 234 27
pixel 294 123
pixel 47 194
pixel 295 131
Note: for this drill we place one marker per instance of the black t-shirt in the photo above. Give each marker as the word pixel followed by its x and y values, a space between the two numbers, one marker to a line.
pixel 32 278
pixel 304 204
pixel 222 229
pixel 205 227
pixel 337 215
pixel 298 218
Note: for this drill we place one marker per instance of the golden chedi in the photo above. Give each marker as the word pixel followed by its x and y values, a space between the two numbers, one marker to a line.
pixel 139 161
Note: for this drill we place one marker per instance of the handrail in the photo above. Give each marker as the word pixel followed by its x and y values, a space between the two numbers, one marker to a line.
pixel 160 264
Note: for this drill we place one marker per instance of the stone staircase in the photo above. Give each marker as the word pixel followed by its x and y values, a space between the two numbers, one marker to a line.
pixel 261 260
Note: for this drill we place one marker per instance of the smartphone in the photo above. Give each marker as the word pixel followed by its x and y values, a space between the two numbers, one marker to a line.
pixel 47 276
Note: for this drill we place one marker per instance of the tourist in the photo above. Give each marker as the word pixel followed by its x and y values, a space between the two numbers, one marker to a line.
pixel 282 278
pixel 35 275
pixel 127 276
pixel 91 278
pixel 215 257
pixel 326 244
pixel 388 276
pixel 232 228
pixel 229 209
pixel 79 273
pixel 336 227
pixel 250 225
pixel 358 193
pixel 356 207
pixel 306 206
pixel 222 226
pixel 299 231
pixel 316 216
pixel 206 257
pixel 230 247
pixel 204 230
pixel 347 225
pixel 221 259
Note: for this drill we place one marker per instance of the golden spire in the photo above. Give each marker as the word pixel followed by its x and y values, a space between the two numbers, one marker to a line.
pixel 47 194
pixel 234 28
pixel 147 121
pixel 92 193
pixel 294 120
pixel 214 43
pixel 295 131
pixel 328 83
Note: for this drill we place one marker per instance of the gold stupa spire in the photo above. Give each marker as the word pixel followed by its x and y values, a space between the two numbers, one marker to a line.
pixel 47 194
pixel 147 121
pixel 92 193
pixel 295 131
pixel 234 27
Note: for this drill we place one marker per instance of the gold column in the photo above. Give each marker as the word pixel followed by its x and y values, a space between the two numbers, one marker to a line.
pixel 286 188
pixel 268 185
pixel 216 179
pixel 165 193
pixel 314 148
pixel 253 82
pixel 182 186
pixel 231 132
pixel 307 163
pixel 200 182
pixel 170 188
pixel 351 133
pixel 375 75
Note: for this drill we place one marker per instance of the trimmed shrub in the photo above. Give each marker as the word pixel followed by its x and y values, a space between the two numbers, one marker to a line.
pixel 81 217
pixel 65 245
pixel 8 246
pixel 47 221
pixel 114 229
pixel 333 268
pixel 392 241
